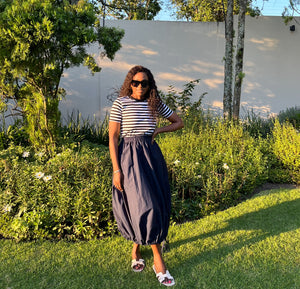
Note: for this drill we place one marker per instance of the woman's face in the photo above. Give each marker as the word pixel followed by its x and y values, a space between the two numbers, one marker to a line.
pixel 139 85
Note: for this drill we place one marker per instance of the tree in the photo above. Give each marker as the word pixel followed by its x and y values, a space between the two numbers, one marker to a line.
pixel 239 75
pixel 228 68
pixel 292 9
pixel 223 10
pixel 39 39
pixel 207 10
pixel 130 10
pixel 231 105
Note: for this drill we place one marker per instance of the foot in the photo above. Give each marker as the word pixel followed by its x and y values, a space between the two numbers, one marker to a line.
pixel 165 279
pixel 137 265
pixel 159 267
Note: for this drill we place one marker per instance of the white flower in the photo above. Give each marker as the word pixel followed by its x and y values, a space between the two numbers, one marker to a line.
pixel 47 178
pixel 7 208
pixel 25 154
pixel 176 163
pixel 40 154
pixel 225 166
pixel 39 175
pixel 199 176
pixel 197 163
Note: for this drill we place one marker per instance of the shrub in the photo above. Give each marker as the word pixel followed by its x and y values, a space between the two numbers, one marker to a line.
pixel 291 115
pixel 180 102
pixel 65 196
pixel 286 147
pixel 257 126
pixel 78 129
pixel 14 134
pixel 212 169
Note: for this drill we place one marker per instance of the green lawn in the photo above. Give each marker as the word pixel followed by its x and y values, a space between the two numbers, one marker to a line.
pixel 253 245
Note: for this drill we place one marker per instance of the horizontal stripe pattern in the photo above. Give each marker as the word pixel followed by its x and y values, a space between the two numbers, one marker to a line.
pixel 135 116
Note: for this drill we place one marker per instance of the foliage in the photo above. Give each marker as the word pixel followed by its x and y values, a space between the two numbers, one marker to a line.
pixel 130 10
pixel 289 12
pixel 207 10
pixel 256 125
pixel 181 102
pixel 276 171
pixel 287 148
pixel 38 41
pixel 14 134
pixel 65 196
pixel 212 169
pixel 213 164
pixel 291 115
pixel 78 129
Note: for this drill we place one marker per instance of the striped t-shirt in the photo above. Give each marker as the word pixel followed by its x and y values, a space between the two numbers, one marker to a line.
pixel 135 116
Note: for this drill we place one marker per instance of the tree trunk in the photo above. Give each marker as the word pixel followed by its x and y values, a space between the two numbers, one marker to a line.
pixel 227 98
pixel 239 75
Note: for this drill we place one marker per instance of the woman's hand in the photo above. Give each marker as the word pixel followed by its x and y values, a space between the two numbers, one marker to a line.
pixel 118 180
pixel 156 132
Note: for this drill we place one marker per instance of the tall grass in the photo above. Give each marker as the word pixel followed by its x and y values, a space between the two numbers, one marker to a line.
pixel 78 129
pixel 291 115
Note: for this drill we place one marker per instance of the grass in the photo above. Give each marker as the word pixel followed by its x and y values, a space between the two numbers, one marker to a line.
pixel 252 245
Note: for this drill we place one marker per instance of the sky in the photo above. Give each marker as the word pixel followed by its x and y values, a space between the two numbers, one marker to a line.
pixel 268 8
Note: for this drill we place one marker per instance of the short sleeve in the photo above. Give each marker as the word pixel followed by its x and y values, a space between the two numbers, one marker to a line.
pixel 116 111
pixel 164 110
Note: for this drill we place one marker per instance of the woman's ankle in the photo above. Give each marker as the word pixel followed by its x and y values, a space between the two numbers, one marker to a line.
pixel 159 263
pixel 136 253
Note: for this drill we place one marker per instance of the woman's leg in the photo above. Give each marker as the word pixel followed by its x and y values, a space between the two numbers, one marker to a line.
pixel 137 263
pixel 158 259
pixel 136 253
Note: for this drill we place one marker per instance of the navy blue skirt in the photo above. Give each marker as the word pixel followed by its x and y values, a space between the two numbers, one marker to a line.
pixel 142 210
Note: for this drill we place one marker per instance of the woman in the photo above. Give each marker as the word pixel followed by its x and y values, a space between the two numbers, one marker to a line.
pixel 141 193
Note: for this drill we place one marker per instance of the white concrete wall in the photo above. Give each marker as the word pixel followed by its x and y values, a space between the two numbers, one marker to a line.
pixel 177 52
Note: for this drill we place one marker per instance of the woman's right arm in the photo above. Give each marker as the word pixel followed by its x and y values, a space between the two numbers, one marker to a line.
pixel 114 133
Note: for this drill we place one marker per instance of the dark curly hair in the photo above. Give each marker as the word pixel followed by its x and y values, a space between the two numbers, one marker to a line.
pixel 152 95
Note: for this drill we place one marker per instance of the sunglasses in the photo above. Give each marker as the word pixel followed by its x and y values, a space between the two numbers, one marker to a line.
pixel 144 83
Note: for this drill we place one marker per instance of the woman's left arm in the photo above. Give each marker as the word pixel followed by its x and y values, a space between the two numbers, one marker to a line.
pixel 176 123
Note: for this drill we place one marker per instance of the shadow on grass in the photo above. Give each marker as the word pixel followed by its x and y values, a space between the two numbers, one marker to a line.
pixel 262 224
pixel 106 263
pixel 271 221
